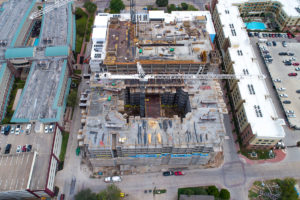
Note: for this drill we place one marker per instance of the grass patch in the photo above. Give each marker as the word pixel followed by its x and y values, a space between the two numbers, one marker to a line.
pixel 77 71
pixel 261 154
pixel 18 84
pixel 205 190
pixel 81 22
pixel 64 144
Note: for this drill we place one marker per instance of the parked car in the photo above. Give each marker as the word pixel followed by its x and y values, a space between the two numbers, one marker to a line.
pixel 168 173
pixel 2 129
pixel 51 128
pixel 297 68
pixel 268 56
pixel 7 148
pixel 287 102
pixel 178 173
pixel 281 89
pixel 46 128
pixel 283 95
pixel 274 43
pixel 292 74
pixel 284 44
pixel 283 53
pixel 18 127
pixel 296 64
pixel 269 44
pixel 291 115
pixel 24 148
pixel 18 149
pixel 298 91
pixel 28 147
pixel 112 179
pixel 28 128
pixel 62 197
pixel 277 80
pixel 288 63
pixel 6 130
pixel 289 112
pixel 12 130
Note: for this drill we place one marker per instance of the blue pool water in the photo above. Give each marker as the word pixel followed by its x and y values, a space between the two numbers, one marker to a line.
pixel 36 42
pixel 255 26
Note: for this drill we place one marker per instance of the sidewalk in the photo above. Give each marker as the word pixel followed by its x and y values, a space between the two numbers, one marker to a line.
pixel 280 155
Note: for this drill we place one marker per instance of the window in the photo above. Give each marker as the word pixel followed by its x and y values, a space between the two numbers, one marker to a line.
pixel 231 26
pixel 227 11
pixel 258 111
pixel 263 143
pixel 259 140
pixel 251 89
pixel 233 32
pixel 266 140
pixel 240 52
pixel 245 71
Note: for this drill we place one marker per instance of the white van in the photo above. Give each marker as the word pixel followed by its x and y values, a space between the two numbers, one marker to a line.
pixel 112 179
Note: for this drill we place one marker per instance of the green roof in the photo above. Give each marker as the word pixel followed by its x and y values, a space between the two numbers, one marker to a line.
pixel 26 52
pixel 57 51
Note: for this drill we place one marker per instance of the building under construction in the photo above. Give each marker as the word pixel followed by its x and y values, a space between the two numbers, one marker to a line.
pixel 130 121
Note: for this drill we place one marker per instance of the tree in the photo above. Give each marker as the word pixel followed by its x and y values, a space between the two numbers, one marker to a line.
pixel 224 194
pixel 90 7
pixel 71 101
pixel 162 3
pixel 112 192
pixel 79 13
pixel 171 8
pixel 116 6
pixel 287 189
pixel 213 190
pixel 184 6
pixel 86 194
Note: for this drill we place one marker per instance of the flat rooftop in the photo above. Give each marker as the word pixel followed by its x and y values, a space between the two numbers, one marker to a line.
pixel 15 171
pixel 55 26
pixel 17 179
pixel 12 16
pixel 258 106
pixel 203 125
pixel 40 96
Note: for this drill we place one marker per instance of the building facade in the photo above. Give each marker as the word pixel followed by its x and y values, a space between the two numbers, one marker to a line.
pixel 6 82
pixel 258 124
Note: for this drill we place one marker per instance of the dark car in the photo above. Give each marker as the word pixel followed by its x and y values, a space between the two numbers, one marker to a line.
pixel 283 53
pixel 288 63
pixel 274 43
pixel 168 173
pixel 268 56
pixel 270 35
pixel 298 91
pixel 291 54
pixel 7 148
pixel 7 130
pixel 287 102
pixel 293 74
pixel 29 147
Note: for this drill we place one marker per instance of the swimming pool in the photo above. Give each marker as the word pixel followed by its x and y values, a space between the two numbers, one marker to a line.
pixel 255 26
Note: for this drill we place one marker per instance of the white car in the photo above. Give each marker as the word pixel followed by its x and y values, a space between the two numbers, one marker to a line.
pixel 291 115
pixel 17 129
pixel 12 130
pixel 283 95
pixel 277 80
pixel 289 112
pixel 281 89
pixel 2 129
pixel 18 149
pixel 51 128
pixel 46 128
pixel 112 179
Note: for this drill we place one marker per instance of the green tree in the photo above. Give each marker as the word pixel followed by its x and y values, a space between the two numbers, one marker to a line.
pixel 86 194
pixel 79 13
pixel 287 189
pixel 162 3
pixel 90 7
pixel 71 101
pixel 224 194
pixel 171 8
pixel 184 6
pixel 116 6
pixel 213 190
pixel 112 192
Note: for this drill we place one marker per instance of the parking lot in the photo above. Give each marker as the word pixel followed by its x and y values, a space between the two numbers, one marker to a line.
pixel 26 136
pixel 281 61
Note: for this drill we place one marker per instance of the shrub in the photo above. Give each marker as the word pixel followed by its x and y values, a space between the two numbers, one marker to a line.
pixel 213 190
pixel 162 3
pixel 116 6
pixel 184 6
pixel 224 194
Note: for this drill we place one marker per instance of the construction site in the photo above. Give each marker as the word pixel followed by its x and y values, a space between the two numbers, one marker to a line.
pixel 137 111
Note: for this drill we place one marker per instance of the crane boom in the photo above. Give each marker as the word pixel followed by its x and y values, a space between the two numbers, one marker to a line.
pixel 49 8
pixel 176 76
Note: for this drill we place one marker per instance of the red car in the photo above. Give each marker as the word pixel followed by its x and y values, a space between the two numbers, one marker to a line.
pixel 292 74
pixel 178 173
pixel 296 64
pixel 24 148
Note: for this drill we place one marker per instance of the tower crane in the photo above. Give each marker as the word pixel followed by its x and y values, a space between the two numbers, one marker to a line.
pixel 49 8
